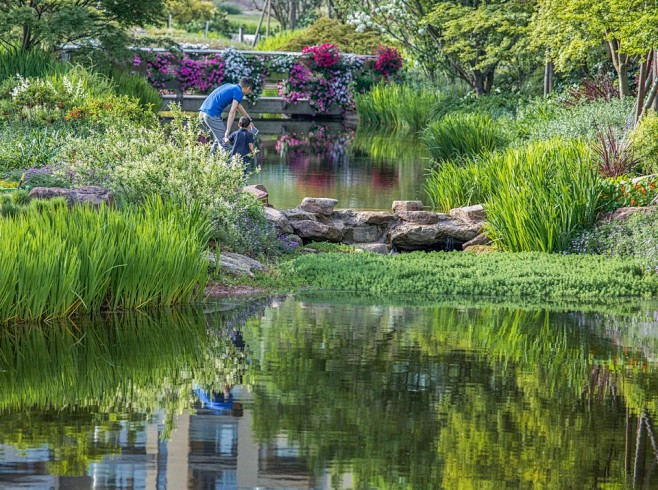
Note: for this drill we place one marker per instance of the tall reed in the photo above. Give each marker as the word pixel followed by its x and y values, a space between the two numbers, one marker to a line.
pixel 56 262
pixel 33 63
pixel 536 197
pixel 457 136
pixel 397 106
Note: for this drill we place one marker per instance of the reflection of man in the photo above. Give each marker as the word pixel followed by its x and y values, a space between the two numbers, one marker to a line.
pixel 220 403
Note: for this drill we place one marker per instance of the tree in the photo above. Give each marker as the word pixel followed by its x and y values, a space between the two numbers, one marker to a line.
pixel 51 23
pixel 468 39
pixel 185 11
pixel 289 13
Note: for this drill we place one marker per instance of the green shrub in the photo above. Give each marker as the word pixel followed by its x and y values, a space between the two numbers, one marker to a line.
pixel 229 8
pixel 136 87
pixel 536 197
pixel 323 31
pixel 517 276
pixel 620 192
pixel 636 236
pixel 397 106
pixel 23 147
pixel 106 259
pixel 644 143
pixel 462 135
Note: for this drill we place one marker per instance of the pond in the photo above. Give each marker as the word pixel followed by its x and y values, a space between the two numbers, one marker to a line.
pixel 361 169
pixel 313 392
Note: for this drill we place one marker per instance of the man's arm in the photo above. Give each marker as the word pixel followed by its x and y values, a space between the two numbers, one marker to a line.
pixel 242 111
pixel 231 118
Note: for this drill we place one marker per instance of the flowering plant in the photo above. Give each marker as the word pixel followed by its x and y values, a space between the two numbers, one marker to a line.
pixel 388 62
pixel 618 193
pixel 322 56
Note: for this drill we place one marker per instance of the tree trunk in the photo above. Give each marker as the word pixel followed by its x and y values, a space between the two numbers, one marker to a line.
pixel 26 42
pixel 622 74
pixel 620 62
pixel 549 69
pixel 293 15
pixel 645 72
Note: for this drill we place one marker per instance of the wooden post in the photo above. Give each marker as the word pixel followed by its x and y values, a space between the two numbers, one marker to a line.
pixel 241 34
pixel 548 78
pixel 269 18
pixel 260 22
pixel 205 32
pixel 169 22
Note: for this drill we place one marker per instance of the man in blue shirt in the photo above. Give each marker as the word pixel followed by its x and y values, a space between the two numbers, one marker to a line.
pixel 212 108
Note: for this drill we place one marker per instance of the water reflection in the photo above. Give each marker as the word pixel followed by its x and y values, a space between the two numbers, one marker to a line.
pixel 363 170
pixel 332 393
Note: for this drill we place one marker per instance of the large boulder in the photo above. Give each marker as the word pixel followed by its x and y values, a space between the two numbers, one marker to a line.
pixel 258 191
pixel 456 229
pixel 362 234
pixel 419 217
pixel 469 214
pixel 319 205
pixel 399 206
pixel 414 236
pixel 297 214
pixel 278 220
pixel 316 231
pixel 378 248
pixel 90 194
pixel 236 264
pixel 623 214
pixel 380 218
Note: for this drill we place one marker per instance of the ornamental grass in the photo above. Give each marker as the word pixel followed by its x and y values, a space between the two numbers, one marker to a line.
pixel 57 262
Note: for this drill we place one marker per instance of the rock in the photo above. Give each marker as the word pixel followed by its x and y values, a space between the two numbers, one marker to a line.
pixel 382 218
pixel 407 206
pixel 411 235
pixel 469 214
pixel 90 194
pixel 622 214
pixel 297 214
pixel 420 217
pixel 319 205
pixel 295 239
pixel 457 229
pixel 481 239
pixel 362 234
pixel 480 249
pixel 278 220
pixel 236 264
pixel 258 191
pixel 378 248
pixel 315 231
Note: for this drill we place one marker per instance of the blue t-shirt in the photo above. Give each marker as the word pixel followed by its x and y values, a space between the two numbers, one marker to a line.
pixel 222 96
pixel 241 139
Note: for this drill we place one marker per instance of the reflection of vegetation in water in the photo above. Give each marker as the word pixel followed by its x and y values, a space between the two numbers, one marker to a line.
pixel 493 395
pixel 390 147
pixel 68 387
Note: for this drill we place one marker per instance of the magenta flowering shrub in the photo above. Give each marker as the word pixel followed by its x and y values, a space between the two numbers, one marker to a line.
pixel 388 63
pixel 322 56
pixel 200 76
pixel 322 76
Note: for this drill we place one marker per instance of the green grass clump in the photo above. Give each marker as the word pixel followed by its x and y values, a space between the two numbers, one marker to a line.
pixel 456 136
pixel 33 63
pixel 56 261
pixel 536 197
pixel 322 31
pixel 500 275
pixel 397 106
pixel 137 87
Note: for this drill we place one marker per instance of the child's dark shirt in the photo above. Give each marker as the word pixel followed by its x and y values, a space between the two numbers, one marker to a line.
pixel 240 140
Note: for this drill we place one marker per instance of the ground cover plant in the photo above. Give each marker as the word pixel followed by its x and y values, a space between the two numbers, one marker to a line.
pixel 105 258
pixel 509 275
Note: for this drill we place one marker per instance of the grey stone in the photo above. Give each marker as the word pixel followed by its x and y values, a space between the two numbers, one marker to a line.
pixel 414 235
pixel 313 230
pixel 469 214
pixel 376 217
pixel 236 264
pixel 258 191
pixel 90 194
pixel 420 217
pixel 407 206
pixel 481 239
pixel 297 214
pixel 458 230
pixel 278 220
pixel 623 214
pixel 378 248
pixel 319 205
pixel 362 234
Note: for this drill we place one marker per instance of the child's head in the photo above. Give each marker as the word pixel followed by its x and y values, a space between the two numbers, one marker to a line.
pixel 244 122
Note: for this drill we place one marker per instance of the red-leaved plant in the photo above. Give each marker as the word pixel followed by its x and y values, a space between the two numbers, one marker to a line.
pixel 388 62
pixel 615 156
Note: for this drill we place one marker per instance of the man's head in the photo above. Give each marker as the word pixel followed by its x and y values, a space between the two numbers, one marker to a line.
pixel 244 122
pixel 246 85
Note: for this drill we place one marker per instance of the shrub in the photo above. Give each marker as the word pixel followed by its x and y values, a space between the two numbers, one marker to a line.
pixel 620 192
pixel 106 259
pixel 229 8
pixel 615 156
pixel 136 87
pixel 644 143
pixel 24 147
pixel 535 197
pixel 323 31
pixel 462 135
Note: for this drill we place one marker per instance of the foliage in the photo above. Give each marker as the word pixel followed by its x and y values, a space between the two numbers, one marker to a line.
pixel 636 236
pixel 535 197
pixel 388 62
pixel 323 31
pixel 52 23
pixel 620 192
pixel 135 86
pixel 24 147
pixel 294 15
pixel 462 135
pixel 644 143
pixel 106 259
pixel 229 8
pixel 397 106
pixel 33 63
pixel 615 156
pixel 512 276
pixel 186 11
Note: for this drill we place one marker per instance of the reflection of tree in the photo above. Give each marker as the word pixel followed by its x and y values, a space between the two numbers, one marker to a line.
pixel 442 397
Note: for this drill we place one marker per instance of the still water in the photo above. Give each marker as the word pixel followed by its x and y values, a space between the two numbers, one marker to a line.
pixel 361 169
pixel 309 392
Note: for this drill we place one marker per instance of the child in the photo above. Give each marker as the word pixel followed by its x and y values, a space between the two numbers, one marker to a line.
pixel 243 139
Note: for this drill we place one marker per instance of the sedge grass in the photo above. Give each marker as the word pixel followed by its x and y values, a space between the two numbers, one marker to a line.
pixel 57 262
